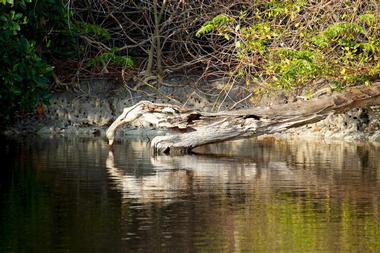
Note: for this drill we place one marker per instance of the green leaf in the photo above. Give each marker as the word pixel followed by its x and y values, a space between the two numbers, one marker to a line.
pixel 367 18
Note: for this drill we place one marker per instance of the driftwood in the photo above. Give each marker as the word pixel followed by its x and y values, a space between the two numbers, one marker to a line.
pixel 194 128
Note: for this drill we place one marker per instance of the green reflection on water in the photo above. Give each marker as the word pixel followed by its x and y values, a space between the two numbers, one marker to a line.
pixel 58 196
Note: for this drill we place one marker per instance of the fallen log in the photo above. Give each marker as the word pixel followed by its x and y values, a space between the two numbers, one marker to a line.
pixel 193 128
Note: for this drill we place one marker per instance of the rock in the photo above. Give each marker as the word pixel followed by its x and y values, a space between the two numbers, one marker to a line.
pixel 79 110
pixel 355 125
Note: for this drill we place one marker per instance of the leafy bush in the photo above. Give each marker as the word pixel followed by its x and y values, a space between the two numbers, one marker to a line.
pixel 111 57
pixel 216 23
pixel 24 75
pixel 32 34
pixel 288 44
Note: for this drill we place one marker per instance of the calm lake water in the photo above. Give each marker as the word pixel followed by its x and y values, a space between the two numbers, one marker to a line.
pixel 73 195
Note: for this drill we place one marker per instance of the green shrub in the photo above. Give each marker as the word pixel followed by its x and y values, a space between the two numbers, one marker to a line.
pixel 32 33
pixel 23 74
pixel 111 57
pixel 283 44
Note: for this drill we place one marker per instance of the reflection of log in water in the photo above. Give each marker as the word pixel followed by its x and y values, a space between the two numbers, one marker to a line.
pixel 296 168
pixel 163 185
pixel 175 176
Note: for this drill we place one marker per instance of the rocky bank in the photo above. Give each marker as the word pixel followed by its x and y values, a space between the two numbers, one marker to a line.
pixel 90 108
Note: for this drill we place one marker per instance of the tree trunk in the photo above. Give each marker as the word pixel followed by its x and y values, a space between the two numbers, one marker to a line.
pixel 155 47
pixel 196 128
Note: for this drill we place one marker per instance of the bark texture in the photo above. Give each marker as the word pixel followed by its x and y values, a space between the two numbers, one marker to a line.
pixel 195 128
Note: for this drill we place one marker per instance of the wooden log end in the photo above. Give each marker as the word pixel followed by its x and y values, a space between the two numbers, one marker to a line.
pixel 169 145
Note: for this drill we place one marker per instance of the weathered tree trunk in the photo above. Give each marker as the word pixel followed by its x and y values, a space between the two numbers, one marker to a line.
pixel 199 128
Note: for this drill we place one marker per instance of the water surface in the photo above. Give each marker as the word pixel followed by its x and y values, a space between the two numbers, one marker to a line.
pixel 74 195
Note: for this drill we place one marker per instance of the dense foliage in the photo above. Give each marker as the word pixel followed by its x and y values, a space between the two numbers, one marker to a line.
pixel 29 39
pixel 41 37
pixel 262 44
pixel 23 73
pixel 290 43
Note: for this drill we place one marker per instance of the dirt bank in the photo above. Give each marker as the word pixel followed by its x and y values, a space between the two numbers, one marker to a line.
pixel 89 109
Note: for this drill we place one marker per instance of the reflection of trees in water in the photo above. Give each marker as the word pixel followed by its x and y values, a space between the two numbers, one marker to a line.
pixel 345 170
